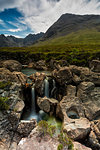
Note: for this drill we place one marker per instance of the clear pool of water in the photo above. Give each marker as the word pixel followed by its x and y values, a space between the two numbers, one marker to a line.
pixel 41 115
pixel 30 71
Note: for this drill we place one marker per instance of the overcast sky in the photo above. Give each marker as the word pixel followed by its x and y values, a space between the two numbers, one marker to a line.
pixel 21 17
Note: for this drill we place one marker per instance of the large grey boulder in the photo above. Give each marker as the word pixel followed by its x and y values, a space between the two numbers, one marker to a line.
pixel 25 127
pixel 63 76
pixel 70 106
pixel 95 65
pixel 34 141
pixel 7 75
pixel 89 95
pixel 48 105
pixel 56 64
pixel 77 129
pixel 11 65
pixel 40 65
pixel 85 102
pixel 84 74
pixel 21 78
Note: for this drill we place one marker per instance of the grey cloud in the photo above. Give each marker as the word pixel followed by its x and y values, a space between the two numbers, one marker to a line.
pixel 39 15
pixel 5 4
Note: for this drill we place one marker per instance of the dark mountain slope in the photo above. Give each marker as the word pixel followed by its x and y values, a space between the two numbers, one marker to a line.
pixel 32 38
pixel 11 41
pixel 70 23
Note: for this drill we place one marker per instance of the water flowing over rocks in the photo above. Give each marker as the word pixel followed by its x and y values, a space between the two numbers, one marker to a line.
pixel 38 79
pixel 75 99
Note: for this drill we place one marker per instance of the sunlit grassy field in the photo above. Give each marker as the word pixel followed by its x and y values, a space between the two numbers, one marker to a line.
pixel 78 48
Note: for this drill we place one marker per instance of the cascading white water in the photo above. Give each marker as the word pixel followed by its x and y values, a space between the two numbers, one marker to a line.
pixel 46 82
pixel 33 108
pixel 54 83
pixel 54 87
pixel 32 114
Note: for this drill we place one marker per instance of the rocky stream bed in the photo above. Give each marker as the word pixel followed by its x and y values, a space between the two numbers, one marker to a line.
pixel 66 96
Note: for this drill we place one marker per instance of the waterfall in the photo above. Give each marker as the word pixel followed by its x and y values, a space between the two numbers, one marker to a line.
pixel 32 114
pixel 46 83
pixel 54 87
pixel 54 84
pixel 33 108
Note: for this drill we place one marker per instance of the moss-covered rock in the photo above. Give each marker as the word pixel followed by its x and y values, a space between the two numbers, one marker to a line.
pixel 3 103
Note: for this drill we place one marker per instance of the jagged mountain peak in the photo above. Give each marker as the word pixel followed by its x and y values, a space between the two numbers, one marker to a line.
pixel 11 41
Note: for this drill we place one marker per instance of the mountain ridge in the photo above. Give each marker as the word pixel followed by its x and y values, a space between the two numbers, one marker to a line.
pixel 12 41
pixel 71 23
pixel 68 29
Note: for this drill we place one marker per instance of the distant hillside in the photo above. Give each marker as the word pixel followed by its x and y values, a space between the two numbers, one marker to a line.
pixel 11 41
pixel 71 29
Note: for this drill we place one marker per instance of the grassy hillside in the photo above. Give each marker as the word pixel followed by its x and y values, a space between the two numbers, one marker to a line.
pixel 77 48
pixel 84 37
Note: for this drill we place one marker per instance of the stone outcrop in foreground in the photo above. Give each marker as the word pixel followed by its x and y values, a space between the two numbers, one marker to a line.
pixel 12 65
pixel 36 142
pixel 79 108
pixel 11 113
pixel 48 105
pixel 94 137
pixel 11 101
pixel 17 77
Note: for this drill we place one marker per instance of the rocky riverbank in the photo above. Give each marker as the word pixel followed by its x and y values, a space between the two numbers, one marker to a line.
pixel 74 97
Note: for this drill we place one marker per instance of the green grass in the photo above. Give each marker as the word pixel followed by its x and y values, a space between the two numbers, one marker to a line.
pixel 45 128
pixel 65 141
pixel 4 84
pixel 77 48
pixel 84 37
pixel 3 103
